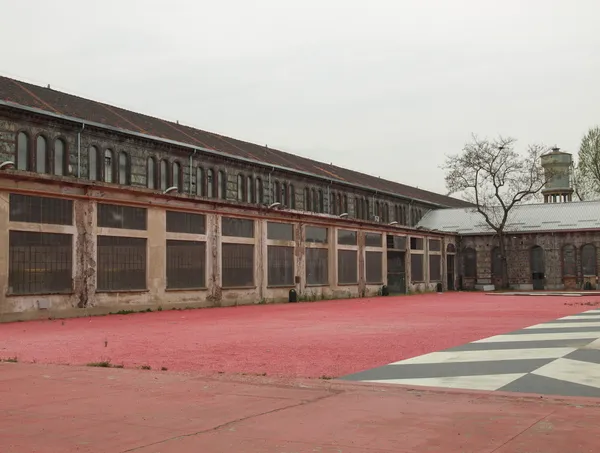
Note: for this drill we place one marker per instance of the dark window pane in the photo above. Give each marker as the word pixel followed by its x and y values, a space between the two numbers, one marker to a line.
pixel 496 262
pixel 22 151
pixel 435 268
pixel 241 228
pixel 176 180
pixel 537 260
pixel 569 261
pixel 240 188
pixel 164 175
pixel 237 265
pixel 374 267
pixel 123 169
pixel 116 216
pixel 470 262
pixel 59 157
pixel 435 245
pixel 347 267
pixel 373 240
pixel 588 260
pixel 40 263
pixel 93 163
pixel 416 267
pixel 54 211
pixel 200 182
pixel 186 264
pixel 416 243
pixel 186 222
pixel 222 185
pixel 151 173
pixel 210 184
pixel 451 248
pixel 346 237
pixel 316 234
pixel 396 242
pixel 280 266
pixel 249 190
pixel 317 266
pixel 41 155
pixel 108 165
pixel 280 231
pixel 121 263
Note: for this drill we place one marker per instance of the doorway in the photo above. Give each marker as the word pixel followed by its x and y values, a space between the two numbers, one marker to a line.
pixel 451 267
pixel 538 268
pixel 396 272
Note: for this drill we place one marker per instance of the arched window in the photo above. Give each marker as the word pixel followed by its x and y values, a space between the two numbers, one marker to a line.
pixel 210 183
pixel 321 201
pixel 569 261
pixel 376 209
pixel 240 188
pixel 306 199
pixel 123 168
pixel 222 185
pixel 176 178
pixel 258 186
pixel 108 166
pixel 339 204
pixel 358 207
pixel 249 190
pixel 284 195
pixel 93 163
pixel 333 203
pixel 345 202
pixel 23 160
pixel 470 262
pixel 164 175
pixel 275 196
pixel 315 201
pixel 200 182
pixel 292 203
pixel 367 211
pixel 41 154
pixel 536 260
pixel 151 173
pixel 588 260
pixel 59 157
pixel 450 248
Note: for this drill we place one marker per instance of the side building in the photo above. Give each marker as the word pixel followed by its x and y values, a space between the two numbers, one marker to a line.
pixel 104 209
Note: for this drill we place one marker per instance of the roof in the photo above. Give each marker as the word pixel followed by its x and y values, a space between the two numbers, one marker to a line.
pixel 57 102
pixel 525 218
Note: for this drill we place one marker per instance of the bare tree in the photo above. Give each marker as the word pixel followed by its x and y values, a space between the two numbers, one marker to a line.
pixel 495 178
pixel 587 177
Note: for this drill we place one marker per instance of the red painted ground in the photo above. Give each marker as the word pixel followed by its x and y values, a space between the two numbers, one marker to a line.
pixel 53 409
pixel 306 340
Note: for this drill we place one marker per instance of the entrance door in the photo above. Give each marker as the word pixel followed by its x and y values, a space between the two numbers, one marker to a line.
pixel 396 272
pixel 538 268
pixel 450 260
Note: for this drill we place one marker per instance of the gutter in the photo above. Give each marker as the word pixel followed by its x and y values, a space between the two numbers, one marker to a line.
pixel 210 151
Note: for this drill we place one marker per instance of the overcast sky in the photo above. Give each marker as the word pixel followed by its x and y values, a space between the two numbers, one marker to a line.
pixel 384 87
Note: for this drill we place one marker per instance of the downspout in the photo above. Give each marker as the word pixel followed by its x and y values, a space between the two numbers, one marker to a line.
pixel 191 164
pixel 79 150
pixel 271 197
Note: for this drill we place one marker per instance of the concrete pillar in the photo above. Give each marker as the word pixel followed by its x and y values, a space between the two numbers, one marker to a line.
pixel 156 260
pixel 4 253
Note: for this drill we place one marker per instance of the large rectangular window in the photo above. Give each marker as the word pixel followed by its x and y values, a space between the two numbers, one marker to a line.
pixel 435 268
pixel 40 263
pixel 280 231
pixel 435 245
pixel 186 264
pixel 317 266
pixel 186 222
pixel 396 242
pixel 347 267
pixel 416 267
pixel 280 265
pixel 416 243
pixel 53 211
pixel 346 237
pixel 316 234
pixel 240 228
pixel 237 265
pixel 374 267
pixel 118 216
pixel 121 263
pixel 373 240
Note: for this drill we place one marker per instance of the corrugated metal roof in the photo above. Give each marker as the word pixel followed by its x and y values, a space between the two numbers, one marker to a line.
pixel 526 218
pixel 53 101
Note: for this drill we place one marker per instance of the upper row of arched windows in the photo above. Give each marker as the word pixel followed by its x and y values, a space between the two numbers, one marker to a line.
pixel 41 155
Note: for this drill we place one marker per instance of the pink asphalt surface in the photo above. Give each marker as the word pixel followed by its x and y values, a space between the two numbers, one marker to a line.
pixel 330 339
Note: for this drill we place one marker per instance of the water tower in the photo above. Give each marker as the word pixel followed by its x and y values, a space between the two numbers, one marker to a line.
pixel 558 167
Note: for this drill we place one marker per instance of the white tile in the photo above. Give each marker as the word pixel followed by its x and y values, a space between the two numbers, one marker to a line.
pixel 541 337
pixel 566 325
pixel 583 373
pixel 593 345
pixel 484 382
pixel 585 316
pixel 488 355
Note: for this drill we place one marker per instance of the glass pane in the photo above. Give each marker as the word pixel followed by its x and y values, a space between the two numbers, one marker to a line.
pixel 186 222
pixel 22 151
pixel 210 184
pixel 346 237
pixel 317 266
pixel 435 268
pixel 221 185
pixel 240 188
pixel 118 216
pixel 435 245
pixel 233 227
pixel 59 157
pixel 280 266
pixel 164 174
pixel 316 234
pixel 200 181
pixel 569 261
pixel 40 155
pixel 93 163
pixel 186 264
pixel 416 243
pixel 108 166
pixel 416 267
pixel 151 173
pixel 121 263
pixel 249 189
pixel 280 231
pixel 347 266
pixel 175 178
pixel 237 265
pixel 588 260
pixel 259 190
pixel 374 267
pixel 373 240
pixel 123 168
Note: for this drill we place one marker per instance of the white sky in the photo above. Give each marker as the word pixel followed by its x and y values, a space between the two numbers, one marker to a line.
pixel 384 87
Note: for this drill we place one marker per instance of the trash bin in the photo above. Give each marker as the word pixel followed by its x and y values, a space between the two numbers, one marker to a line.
pixel 293 297
pixel 385 291
pixel 439 288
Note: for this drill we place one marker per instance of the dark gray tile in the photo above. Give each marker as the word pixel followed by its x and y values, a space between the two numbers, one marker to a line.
pixel 523 345
pixel 586 313
pixel 594 330
pixel 567 321
pixel 431 370
pixel 532 383
pixel 585 355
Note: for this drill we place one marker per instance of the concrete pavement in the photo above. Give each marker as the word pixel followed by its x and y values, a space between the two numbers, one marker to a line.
pixel 56 409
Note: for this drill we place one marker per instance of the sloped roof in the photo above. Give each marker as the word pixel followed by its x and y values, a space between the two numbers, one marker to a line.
pixel 56 102
pixel 525 218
